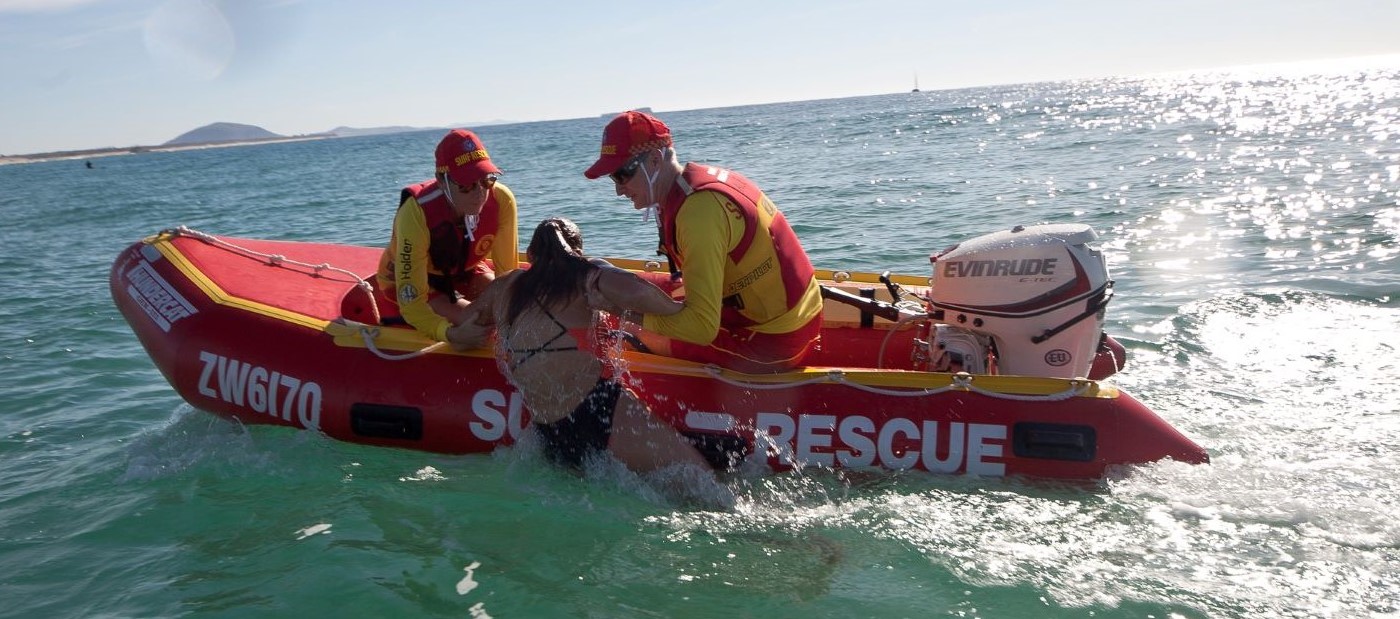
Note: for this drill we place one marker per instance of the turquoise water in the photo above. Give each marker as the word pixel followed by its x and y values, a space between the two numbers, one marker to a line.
pixel 1251 224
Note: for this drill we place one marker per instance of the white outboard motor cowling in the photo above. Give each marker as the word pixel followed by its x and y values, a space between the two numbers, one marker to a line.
pixel 1038 291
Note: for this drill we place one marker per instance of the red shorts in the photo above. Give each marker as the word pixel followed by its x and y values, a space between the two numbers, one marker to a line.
pixel 752 352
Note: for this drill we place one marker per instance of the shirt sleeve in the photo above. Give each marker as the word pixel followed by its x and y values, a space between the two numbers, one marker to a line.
pixel 704 233
pixel 505 252
pixel 411 266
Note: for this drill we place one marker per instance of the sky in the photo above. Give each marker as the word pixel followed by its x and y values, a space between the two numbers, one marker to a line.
pixel 80 74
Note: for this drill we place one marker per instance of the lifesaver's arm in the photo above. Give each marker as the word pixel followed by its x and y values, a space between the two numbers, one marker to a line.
pixel 480 322
pixel 505 252
pixel 411 265
pixel 705 233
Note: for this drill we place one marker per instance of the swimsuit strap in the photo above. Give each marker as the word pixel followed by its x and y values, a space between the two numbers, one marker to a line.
pixel 545 347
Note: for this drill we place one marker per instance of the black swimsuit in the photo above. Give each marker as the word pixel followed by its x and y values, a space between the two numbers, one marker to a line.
pixel 588 427
pixel 586 430
pixel 545 347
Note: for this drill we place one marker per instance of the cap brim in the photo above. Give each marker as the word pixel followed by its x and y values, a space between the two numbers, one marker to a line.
pixel 473 173
pixel 607 164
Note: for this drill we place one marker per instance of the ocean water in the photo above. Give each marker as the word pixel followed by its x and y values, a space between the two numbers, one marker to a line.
pixel 1252 228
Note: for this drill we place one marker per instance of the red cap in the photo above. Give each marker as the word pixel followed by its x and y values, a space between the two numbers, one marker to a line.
pixel 462 157
pixel 626 135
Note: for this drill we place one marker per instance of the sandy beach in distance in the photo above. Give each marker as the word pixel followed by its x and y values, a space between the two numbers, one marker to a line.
pixel 129 150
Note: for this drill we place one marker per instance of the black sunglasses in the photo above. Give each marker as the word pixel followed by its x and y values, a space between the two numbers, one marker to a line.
pixel 628 170
pixel 485 183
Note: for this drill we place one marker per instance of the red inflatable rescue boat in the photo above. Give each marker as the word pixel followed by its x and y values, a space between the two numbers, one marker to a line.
pixel 995 369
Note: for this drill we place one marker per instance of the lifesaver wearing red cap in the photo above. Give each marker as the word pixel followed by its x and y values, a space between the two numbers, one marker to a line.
pixel 752 283
pixel 452 249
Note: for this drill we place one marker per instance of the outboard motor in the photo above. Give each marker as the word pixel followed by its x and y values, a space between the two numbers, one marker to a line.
pixel 1038 293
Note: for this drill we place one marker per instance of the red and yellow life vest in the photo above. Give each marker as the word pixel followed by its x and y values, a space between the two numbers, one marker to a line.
pixel 452 248
pixel 750 279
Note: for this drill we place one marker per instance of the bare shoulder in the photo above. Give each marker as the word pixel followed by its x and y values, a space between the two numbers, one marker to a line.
pixel 499 287
pixel 506 279
pixel 492 299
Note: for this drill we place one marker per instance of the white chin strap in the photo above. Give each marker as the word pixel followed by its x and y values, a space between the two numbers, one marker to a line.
pixel 470 221
pixel 651 210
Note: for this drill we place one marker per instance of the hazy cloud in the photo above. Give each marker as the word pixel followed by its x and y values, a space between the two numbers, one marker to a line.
pixel 42 6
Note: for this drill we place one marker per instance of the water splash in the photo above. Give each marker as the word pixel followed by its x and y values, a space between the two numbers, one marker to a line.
pixel 468 582
pixel 315 529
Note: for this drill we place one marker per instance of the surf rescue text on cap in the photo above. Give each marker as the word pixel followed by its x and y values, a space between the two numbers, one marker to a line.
pixel 463 158
pixel 627 134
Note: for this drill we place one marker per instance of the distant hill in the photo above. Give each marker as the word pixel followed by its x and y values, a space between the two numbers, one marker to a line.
pixel 644 110
pixel 350 132
pixel 233 132
pixel 222 132
pixel 227 134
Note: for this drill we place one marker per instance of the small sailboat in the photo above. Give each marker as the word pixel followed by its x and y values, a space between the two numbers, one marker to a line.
pixel 916 83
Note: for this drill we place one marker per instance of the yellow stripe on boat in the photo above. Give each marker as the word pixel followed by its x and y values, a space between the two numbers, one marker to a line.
pixel 350 334
pixel 894 379
pixel 167 249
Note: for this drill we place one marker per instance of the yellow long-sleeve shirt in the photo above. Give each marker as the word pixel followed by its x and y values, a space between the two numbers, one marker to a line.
pixel 706 231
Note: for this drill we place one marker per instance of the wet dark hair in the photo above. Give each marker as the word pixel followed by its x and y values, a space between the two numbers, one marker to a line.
pixel 557 270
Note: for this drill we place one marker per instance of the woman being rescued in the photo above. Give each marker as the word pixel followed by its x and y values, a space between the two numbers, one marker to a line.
pixel 553 347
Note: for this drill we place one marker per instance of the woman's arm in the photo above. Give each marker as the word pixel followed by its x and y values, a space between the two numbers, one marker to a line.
pixel 622 290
